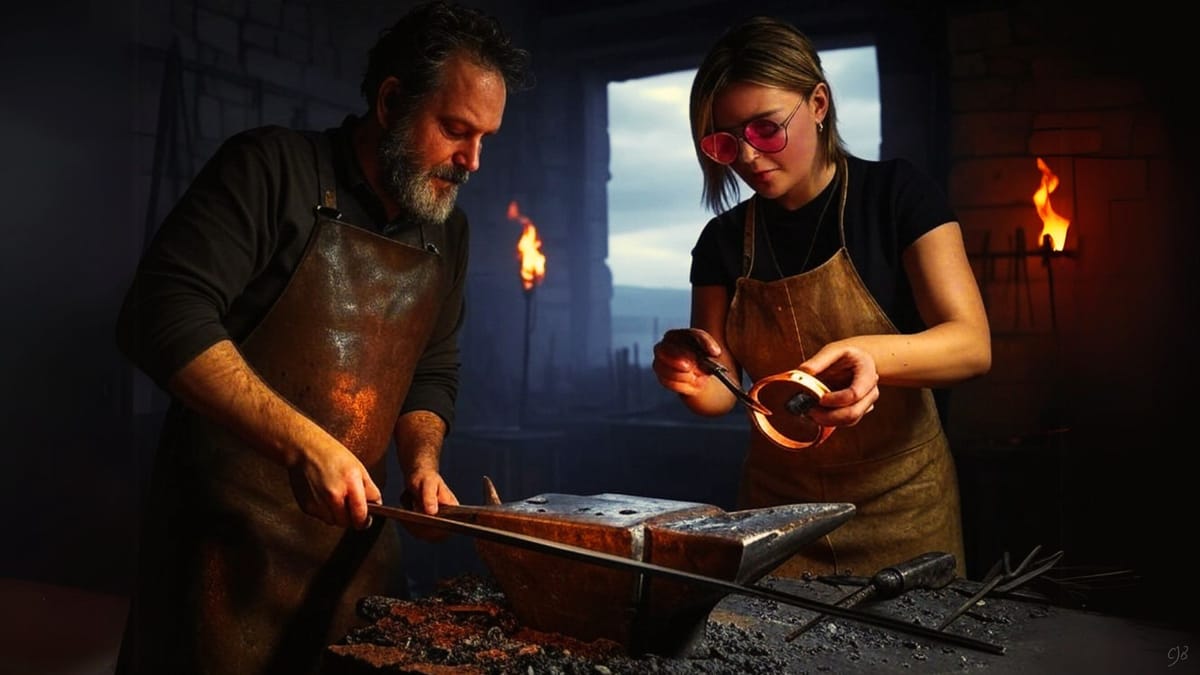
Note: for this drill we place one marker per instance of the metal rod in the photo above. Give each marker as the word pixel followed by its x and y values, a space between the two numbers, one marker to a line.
pixel 1047 249
pixel 619 562
pixel 523 403
pixel 849 600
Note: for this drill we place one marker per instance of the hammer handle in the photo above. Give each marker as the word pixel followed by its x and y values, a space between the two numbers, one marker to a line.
pixel 928 570
pixel 934 569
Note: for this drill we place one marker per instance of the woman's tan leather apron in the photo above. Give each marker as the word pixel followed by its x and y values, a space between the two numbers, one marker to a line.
pixel 895 465
pixel 251 584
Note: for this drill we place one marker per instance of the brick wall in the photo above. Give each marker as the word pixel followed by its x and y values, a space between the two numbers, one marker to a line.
pixel 1091 361
pixel 1018 94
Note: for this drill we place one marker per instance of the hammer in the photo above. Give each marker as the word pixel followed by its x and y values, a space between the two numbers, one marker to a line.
pixel 928 570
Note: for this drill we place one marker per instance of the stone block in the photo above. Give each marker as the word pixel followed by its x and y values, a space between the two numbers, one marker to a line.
pixel 278 109
pixel 271 68
pixel 323 83
pixel 293 47
pixel 264 12
pixel 208 118
pixel 967 65
pixel 1087 93
pixel 993 181
pixel 990 95
pixel 1149 135
pixel 978 30
pixel 1010 62
pixel 259 35
pixel 297 20
pixel 989 133
pixel 235 118
pixel 1102 180
pixel 217 31
pixel 1066 142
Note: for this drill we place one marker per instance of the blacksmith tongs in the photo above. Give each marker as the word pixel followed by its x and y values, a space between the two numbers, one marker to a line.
pixel 713 367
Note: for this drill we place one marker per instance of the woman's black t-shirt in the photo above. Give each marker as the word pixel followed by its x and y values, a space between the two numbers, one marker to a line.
pixel 889 205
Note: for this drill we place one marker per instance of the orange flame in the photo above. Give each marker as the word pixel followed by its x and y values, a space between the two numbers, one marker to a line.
pixel 1053 225
pixel 533 263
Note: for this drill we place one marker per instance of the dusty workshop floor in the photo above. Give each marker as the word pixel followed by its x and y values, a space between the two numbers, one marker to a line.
pixel 746 635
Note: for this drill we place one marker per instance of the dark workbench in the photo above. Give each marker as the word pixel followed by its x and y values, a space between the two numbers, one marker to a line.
pixel 1038 637
pixel 747 634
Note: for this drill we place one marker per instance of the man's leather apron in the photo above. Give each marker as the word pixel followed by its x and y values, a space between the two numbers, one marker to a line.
pixel 253 584
pixel 895 465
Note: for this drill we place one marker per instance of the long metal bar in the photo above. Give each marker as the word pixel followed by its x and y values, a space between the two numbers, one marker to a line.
pixel 849 600
pixel 523 403
pixel 619 562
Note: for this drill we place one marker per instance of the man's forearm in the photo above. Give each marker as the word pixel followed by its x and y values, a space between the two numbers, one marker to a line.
pixel 219 384
pixel 419 436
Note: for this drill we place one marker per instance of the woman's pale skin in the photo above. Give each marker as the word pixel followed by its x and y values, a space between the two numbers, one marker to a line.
pixel 955 347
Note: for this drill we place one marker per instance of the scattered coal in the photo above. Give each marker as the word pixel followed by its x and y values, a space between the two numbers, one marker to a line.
pixel 467 627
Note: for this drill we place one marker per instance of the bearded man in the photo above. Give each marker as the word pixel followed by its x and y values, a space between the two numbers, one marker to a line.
pixel 301 304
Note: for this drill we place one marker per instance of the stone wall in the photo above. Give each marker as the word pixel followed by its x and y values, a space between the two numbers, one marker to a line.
pixel 1091 347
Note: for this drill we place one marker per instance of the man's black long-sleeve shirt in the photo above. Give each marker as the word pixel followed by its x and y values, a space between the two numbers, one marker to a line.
pixel 227 249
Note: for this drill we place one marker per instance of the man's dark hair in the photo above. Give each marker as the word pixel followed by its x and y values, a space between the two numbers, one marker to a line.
pixel 415 50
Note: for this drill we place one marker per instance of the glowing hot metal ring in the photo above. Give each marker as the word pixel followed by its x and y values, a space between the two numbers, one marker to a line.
pixel 797 383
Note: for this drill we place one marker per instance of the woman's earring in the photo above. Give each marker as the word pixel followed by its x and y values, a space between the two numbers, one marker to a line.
pixel 820 127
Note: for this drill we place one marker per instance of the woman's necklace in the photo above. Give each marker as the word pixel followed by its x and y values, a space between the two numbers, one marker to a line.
pixel 804 265
pixel 812 244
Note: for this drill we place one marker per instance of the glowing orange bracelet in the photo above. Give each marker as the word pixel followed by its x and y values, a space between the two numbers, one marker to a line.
pixel 789 395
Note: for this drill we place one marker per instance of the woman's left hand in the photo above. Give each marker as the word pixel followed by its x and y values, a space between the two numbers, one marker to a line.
pixel 850 374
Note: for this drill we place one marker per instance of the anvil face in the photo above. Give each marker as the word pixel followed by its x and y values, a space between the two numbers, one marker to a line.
pixel 641 612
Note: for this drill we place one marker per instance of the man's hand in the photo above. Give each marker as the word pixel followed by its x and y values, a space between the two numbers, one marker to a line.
pixel 425 492
pixel 419 435
pixel 334 486
pixel 328 481
pixel 427 489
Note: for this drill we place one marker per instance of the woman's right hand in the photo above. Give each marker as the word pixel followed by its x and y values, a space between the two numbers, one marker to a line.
pixel 677 360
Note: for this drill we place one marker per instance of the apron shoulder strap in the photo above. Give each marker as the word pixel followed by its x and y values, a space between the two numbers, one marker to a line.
pixel 748 238
pixel 326 183
pixel 844 170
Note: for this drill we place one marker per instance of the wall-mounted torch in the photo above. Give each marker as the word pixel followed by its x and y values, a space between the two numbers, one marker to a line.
pixel 1054 230
pixel 533 270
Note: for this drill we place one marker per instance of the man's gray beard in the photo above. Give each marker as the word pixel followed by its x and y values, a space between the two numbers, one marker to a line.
pixel 410 185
